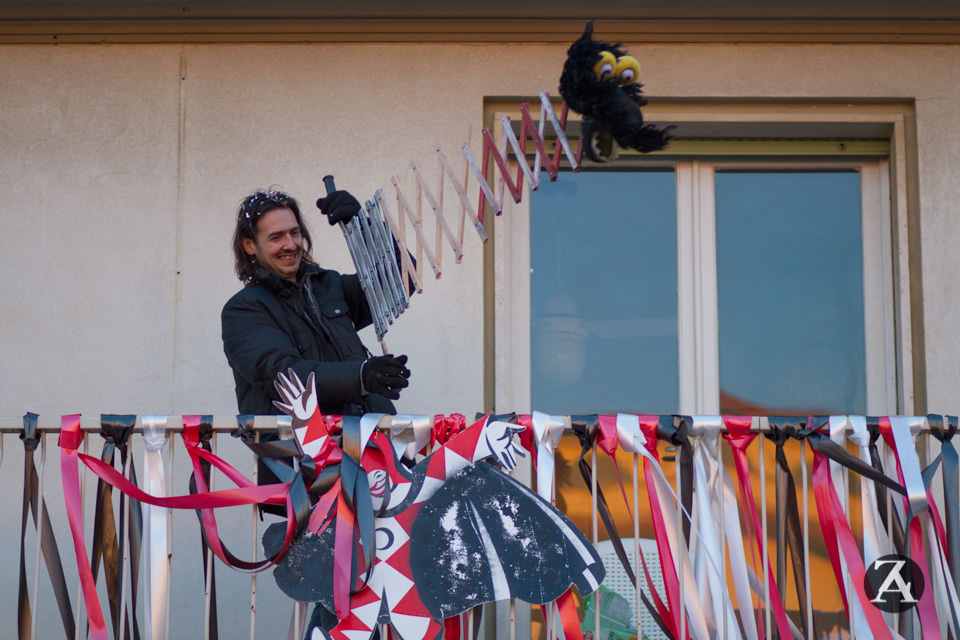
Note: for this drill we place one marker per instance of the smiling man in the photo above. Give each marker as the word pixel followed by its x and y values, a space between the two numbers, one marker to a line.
pixel 292 314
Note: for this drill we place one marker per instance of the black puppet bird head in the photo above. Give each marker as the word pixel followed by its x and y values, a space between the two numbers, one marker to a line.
pixel 599 81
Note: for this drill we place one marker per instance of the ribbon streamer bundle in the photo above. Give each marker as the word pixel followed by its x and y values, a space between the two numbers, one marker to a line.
pixel 371 234
pixel 697 527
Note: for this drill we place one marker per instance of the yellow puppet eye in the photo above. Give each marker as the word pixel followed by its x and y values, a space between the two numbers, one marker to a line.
pixel 627 70
pixel 606 66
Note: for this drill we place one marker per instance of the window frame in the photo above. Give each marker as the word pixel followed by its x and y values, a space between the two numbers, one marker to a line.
pixel 889 299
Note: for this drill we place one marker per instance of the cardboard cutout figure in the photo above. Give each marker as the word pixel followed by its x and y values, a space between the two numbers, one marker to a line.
pixel 599 81
pixel 452 532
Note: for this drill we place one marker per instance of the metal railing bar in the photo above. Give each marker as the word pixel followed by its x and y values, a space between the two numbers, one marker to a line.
pixel 851 593
pixel 36 567
pixel 636 539
pixel 253 546
pixel 680 543
pixel 722 487
pixel 765 550
pixel 207 593
pixel 595 530
pixel 221 424
pixel 91 424
pixel 125 544
pixel 806 537
pixel 168 475
pixel 80 631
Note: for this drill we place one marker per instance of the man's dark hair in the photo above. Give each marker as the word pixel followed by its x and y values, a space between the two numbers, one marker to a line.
pixel 252 207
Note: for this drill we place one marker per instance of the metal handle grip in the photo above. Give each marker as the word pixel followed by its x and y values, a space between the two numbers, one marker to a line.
pixel 328 184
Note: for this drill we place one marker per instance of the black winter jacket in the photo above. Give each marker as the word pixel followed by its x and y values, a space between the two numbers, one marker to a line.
pixel 266 329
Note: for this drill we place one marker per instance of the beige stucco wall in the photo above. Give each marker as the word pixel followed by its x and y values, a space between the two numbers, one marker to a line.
pixel 121 179
pixel 122 166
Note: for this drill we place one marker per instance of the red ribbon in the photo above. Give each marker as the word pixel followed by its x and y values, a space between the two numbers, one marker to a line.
pixel 446 427
pixel 343 554
pixel 740 436
pixel 569 618
pixel 451 627
pixel 70 439
pixel 836 530
pixel 608 439
pixel 672 617
pixel 322 514
pixel 926 608
pixel 528 438
pixel 260 494
pixel 247 493
pixel 191 439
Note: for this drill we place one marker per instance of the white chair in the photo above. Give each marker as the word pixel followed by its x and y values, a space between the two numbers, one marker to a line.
pixel 617 580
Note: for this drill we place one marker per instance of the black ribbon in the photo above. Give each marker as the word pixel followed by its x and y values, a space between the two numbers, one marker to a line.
pixel 48 543
pixel 245 431
pixel 676 431
pixel 586 428
pixel 951 465
pixel 789 533
pixel 891 521
pixel 278 456
pixel 107 545
pixel 821 443
pixel 355 489
pixel 205 435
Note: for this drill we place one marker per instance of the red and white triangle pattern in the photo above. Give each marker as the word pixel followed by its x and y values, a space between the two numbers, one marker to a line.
pixel 390 594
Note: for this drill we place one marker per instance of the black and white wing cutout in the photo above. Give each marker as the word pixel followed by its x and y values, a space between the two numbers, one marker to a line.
pixel 485 537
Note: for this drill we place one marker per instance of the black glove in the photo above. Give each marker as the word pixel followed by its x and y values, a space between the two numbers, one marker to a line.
pixel 338 206
pixel 385 375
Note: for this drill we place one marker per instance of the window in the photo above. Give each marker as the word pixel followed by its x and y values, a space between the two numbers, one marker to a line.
pixel 759 281
pixel 785 289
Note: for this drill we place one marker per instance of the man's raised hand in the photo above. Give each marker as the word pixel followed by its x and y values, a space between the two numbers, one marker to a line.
pixel 338 206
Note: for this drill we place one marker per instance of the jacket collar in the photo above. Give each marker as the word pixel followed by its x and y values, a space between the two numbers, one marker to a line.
pixel 276 284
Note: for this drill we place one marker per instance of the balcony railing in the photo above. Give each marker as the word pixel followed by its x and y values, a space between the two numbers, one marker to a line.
pixel 235 605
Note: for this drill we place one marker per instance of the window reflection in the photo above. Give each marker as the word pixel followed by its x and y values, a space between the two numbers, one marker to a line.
pixel 603 293
pixel 790 293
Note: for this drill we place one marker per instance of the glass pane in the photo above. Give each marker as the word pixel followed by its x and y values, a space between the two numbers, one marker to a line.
pixel 790 287
pixel 603 293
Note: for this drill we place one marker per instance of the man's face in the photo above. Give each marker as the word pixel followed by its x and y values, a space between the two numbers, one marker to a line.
pixel 279 243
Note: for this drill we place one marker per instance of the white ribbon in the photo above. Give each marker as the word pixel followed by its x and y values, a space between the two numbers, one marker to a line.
pixel 905 431
pixel 875 541
pixel 632 440
pixel 155 533
pixel 712 501
pixel 547 431
pixel 368 424
pixel 409 434
pixel 838 433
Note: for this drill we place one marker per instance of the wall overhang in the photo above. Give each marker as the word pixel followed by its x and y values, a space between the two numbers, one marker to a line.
pixel 61 30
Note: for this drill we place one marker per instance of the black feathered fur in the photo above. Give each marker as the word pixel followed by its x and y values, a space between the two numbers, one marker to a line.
pixel 606 107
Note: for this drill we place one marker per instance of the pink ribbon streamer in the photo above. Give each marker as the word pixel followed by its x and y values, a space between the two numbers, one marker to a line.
pixel 70 439
pixel 740 436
